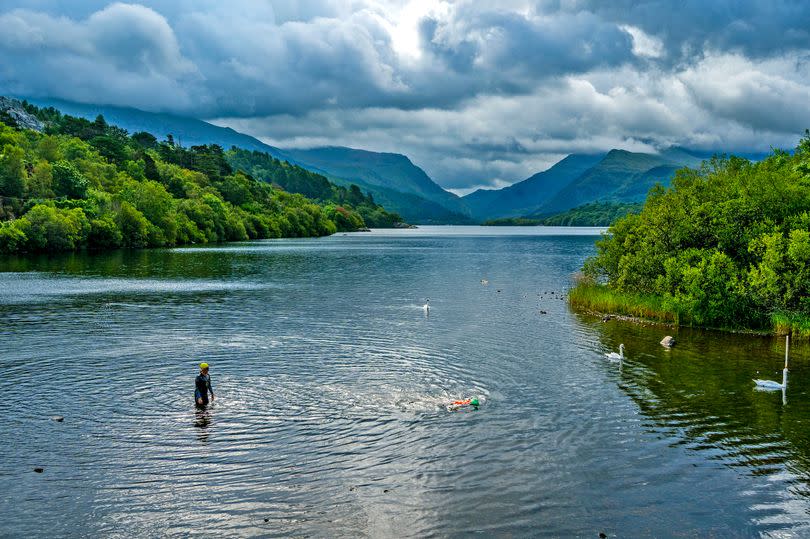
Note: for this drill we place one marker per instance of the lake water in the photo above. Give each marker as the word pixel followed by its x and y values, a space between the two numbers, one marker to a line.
pixel 332 387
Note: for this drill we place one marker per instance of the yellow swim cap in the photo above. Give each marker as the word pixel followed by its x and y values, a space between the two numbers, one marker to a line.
pixel 203 365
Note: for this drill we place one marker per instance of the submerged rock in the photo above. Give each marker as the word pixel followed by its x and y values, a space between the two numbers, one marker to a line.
pixel 668 341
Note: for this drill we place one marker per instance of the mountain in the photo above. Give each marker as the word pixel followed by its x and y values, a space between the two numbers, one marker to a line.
pixel 621 176
pixel 380 172
pixel 392 179
pixel 524 197
pixel 186 131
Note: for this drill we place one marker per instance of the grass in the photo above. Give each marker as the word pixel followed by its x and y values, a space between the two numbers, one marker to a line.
pixel 797 325
pixel 602 299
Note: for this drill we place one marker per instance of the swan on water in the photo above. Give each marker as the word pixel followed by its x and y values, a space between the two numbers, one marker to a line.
pixel 613 356
pixel 773 384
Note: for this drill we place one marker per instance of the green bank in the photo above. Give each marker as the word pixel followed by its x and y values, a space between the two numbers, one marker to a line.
pixel 68 183
pixel 727 246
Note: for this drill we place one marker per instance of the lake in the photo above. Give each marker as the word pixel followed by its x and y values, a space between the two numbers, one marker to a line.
pixel 332 386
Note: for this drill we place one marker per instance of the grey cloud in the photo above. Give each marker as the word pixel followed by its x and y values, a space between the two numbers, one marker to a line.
pixel 757 28
pixel 496 91
pixel 124 54
pixel 280 57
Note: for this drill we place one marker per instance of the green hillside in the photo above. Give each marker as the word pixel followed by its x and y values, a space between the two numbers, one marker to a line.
pixel 294 179
pixel 384 174
pixel 184 131
pixel 523 198
pixel 391 179
pixel 591 214
pixel 83 184
pixel 621 176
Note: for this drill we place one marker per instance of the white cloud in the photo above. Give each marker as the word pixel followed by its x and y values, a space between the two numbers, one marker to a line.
pixel 644 45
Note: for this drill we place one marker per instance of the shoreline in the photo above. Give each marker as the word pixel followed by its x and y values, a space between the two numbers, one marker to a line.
pixel 600 301
pixel 647 322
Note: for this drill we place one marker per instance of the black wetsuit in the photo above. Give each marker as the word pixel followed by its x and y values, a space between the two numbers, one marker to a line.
pixel 203 386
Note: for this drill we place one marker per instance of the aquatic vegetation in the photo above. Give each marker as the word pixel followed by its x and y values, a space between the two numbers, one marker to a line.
pixel 601 299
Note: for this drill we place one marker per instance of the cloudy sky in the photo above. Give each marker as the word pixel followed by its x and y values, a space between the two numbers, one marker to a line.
pixel 478 93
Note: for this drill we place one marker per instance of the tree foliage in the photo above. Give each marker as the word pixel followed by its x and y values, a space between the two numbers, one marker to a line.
pixel 295 179
pixel 726 245
pixel 87 184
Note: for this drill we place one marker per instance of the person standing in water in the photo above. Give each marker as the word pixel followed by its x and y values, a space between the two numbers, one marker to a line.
pixel 203 386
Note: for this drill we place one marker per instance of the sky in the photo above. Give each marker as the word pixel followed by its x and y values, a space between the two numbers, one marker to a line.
pixel 477 93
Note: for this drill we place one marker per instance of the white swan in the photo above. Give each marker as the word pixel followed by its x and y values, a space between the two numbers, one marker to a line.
pixel 613 356
pixel 772 384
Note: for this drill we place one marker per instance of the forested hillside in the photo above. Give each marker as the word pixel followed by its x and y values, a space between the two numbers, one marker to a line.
pixel 395 182
pixel 727 245
pixel 83 184
pixel 294 179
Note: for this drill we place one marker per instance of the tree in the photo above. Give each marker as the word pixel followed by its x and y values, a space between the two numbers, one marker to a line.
pixel 51 229
pixel 12 171
pixel 68 181
pixel 40 184
pixel 104 234
pixel 145 140
pixel 133 225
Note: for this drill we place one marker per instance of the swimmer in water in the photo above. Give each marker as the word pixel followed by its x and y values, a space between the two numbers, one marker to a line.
pixel 203 386
pixel 473 402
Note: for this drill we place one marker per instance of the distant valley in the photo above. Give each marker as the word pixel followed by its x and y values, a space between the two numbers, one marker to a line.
pixel 396 183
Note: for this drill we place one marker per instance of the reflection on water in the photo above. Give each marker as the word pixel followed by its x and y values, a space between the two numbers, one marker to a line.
pixel 702 396
pixel 202 421
pixel 333 388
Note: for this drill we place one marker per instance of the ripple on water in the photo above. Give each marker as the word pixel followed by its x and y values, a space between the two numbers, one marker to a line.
pixel 332 419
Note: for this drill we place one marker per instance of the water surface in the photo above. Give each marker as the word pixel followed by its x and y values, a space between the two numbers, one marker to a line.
pixel 332 386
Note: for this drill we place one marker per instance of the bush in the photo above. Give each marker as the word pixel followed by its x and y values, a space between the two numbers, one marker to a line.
pixel 726 245
pixel 12 239
pixel 104 234
pixel 50 229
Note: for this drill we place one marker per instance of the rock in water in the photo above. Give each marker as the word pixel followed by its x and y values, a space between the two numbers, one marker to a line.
pixel 668 342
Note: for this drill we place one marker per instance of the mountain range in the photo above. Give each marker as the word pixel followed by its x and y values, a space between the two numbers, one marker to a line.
pixel 399 185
